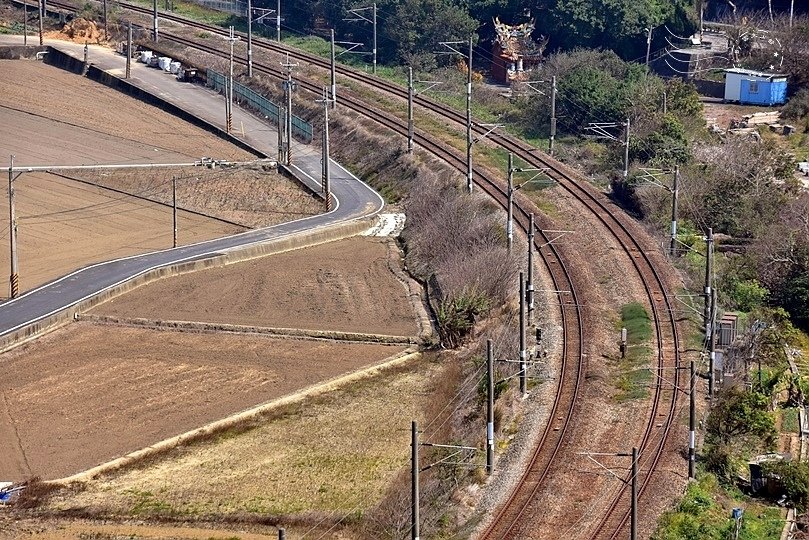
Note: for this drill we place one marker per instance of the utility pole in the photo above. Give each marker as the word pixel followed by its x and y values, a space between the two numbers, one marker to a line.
pixel 709 307
pixel 692 422
pixel 282 534
pixel 374 50
pixel 129 50
pixel 648 46
pixel 278 22
pixel 25 23
pixel 174 207
pixel 469 120
pixel 106 33
pixel 154 20
pixel 530 287
pixel 489 407
pixel 14 278
pixel 333 73
pixel 414 481
pixel 675 194
pixel 791 12
pixel 523 352
pixel 633 529
pixel 626 150
pixel 326 179
pixel 42 16
pixel 282 131
pixel 232 39
pixel 553 115
pixel 289 87
pixel 712 345
pixel 249 38
pixel 511 190
pixel 410 110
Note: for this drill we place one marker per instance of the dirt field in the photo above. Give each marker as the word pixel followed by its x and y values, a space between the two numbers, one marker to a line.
pixel 86 394
pixel 342 286
pixel 63 225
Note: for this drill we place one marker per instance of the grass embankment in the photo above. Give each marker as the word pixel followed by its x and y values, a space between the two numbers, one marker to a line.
pixel 333 454
pixel 704 513
pixel 634 373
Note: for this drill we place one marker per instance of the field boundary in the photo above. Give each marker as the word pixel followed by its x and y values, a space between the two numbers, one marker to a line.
pixel 212 429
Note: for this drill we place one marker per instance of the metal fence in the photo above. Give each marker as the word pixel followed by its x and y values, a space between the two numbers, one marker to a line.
pixel 301 129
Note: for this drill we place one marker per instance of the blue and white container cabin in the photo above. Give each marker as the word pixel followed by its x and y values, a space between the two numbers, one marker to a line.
pixel 750 87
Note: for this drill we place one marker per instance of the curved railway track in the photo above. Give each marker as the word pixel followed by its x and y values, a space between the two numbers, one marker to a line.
pixel 507 521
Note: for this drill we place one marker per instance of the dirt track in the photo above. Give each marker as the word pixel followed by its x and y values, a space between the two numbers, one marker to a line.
pixel 86 394
pixel 342 286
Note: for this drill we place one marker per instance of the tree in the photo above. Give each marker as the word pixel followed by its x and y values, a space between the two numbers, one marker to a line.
pixel 741 416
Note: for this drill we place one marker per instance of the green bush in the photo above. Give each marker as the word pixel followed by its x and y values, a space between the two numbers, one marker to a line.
pixel 798 105
pixel 456 316
pixel 793 477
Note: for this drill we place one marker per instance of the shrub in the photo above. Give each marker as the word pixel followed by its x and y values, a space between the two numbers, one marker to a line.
pixel 798 105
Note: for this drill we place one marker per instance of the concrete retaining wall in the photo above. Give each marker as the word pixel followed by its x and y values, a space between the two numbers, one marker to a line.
pixel 18 52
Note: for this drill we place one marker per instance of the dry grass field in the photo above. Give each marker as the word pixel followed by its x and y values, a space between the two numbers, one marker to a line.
pixel 342 286
pixel 88 393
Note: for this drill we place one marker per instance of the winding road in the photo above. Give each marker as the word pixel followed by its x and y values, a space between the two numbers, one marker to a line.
pixel 352 199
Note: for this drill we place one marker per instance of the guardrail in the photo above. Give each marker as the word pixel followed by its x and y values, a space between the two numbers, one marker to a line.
pixel 301 129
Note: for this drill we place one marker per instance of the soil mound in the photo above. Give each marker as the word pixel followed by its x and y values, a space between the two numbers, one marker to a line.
pixel 81 31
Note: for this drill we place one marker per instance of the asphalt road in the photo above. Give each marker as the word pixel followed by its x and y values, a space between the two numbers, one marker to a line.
pixel 352 198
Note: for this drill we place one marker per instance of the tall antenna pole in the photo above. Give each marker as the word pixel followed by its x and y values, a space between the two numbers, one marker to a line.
pixel 249 38
pixel 333 73
pixel 409 110
pixel 14 278
pixel 675 194
pixel 374 51
pixel 553 115
pixel 469 120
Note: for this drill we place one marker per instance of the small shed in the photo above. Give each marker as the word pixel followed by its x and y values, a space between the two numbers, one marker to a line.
pixel 755 87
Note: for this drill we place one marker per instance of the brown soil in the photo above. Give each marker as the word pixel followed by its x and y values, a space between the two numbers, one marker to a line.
pixel 64 224
pixel 343 286
pixel 86 394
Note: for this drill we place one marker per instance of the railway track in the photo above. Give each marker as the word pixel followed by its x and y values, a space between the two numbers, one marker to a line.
pixel 508 521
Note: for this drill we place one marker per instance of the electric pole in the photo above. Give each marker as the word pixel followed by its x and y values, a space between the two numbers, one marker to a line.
pixel 326 177
pixel 374 50
pixel 289 87
pixel 106 34
pixel 14 278
pixel 511 190
pixel 414 481
pixel 41 22
pixel 278 22
pixel 530 287
pixel 154 20
pixel 712 345
pixel 626 150
pixel 25 23
pixel 282 131
pixel 333 73
pixel 469 120
pixel 249 38
pixel 709 306
pixel 692 422
pixel 174 207
pixel 648 46
pixel 129 50
pixel 232 38
pixel 489 407
pixel 553 115
pixel 282 534
pixel 410 110
pixel 675 194
pixel 633 529
pixel 523 352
